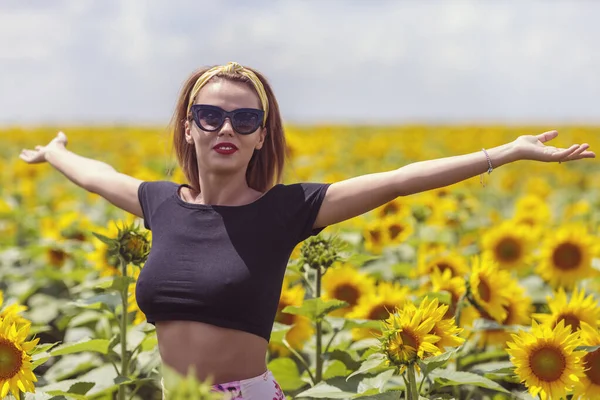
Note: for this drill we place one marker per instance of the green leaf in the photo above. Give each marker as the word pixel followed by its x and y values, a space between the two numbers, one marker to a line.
pixel 40 348
pixel 494 367
pixel 286 373
pixel 39 359
pixel 104 301
pixel 432 363
pixel 96 345
pixel 118 283
pixel 457 378
pixel 149 343
pixel 391 395
pixel 315 309
pixel 325 391
pixel 362 323
pixel 358 259
pixel 374 361
pixel 279 331
pixel 336 368
pixel 377 382
pixel 81 387
pixel 76 390
pixel 343 356
pixel 105 239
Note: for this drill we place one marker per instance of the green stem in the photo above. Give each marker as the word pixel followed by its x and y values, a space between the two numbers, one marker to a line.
pixel 412 382
pixel 407 394
pixel 319 359
pixel 301 359
pixel 335 332
pixel 124 360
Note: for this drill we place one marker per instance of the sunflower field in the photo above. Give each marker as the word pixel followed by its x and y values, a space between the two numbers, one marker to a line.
pixel 480 290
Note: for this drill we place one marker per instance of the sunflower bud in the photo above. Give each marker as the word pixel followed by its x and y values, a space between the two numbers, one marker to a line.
pixel 321 252
pixel 133 245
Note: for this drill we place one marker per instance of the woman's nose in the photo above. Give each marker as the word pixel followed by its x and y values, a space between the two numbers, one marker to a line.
pixel 226 128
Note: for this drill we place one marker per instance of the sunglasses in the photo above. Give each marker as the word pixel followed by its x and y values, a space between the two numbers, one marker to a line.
pixel 211 118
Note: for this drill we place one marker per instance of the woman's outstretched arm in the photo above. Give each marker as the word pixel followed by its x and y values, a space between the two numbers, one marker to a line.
pixel 92 175
pixel 356 196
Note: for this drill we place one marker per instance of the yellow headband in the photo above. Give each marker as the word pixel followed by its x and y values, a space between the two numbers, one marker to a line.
pixel 233 68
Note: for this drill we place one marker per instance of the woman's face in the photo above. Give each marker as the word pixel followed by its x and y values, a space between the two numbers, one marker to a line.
pixel 228 95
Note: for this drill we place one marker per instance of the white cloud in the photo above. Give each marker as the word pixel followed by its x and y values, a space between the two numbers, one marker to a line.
pixel 377 60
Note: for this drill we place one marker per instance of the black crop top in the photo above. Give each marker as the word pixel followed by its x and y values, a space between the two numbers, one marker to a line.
pixel 222 265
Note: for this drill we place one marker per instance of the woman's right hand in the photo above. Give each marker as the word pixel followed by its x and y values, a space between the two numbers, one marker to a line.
pixel 38 155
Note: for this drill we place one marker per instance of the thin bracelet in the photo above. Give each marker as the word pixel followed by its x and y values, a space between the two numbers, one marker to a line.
pixel 490 167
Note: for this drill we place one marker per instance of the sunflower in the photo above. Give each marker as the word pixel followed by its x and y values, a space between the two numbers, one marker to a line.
pixel 377 305
pixel 442 258
pixel 12 311
pixel 406 336
pixel 397 228
pixel 566 256
pixel 546 360
pixel 347 283
pixel 444 210
pixel 444 327
pixel 302 329
pixel 400 206
pixel 375 238
pixel 588 386
pixel 518 312
pixel 445 282
pixel 488 287
pixel 15 363
pixel 573 312
pixel 509 244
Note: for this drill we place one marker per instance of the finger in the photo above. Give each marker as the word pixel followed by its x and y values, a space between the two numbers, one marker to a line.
pixel 562 154
pixel 38 147
pixel 583 154
pixel 546 136
pixel 575 155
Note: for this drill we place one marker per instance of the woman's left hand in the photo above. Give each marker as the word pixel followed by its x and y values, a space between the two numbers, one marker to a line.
pixel 532 147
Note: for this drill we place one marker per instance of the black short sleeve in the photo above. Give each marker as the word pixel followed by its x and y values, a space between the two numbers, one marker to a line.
pixel 302 202
pixel 151 195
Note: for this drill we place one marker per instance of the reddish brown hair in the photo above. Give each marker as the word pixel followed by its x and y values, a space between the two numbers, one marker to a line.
pixel 266 165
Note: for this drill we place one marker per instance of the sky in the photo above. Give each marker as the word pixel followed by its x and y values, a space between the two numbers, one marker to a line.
pixel 369 61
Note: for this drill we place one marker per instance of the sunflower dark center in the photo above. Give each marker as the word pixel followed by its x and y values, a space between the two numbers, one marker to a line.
pixel 409 339
pixel 547 363
pixel 567 256
pixel 282 317
pixel 390 208
pixel 484 290
pixel 10 359
pixel 508 250
pixel 569 319
pixel 395 230
pixel 443 265
pixel 375 235
pixel 380 312
pixel 57 257
pixel 348 293
pixel 591 363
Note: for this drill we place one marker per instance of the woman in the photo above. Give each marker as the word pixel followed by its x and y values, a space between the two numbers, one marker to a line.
pixel 221 242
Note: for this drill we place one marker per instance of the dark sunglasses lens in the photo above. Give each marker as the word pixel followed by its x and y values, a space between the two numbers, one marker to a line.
pixel 246 122
pixel 210 119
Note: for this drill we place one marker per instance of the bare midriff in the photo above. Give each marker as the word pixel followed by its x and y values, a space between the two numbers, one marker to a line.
pixel 224 354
